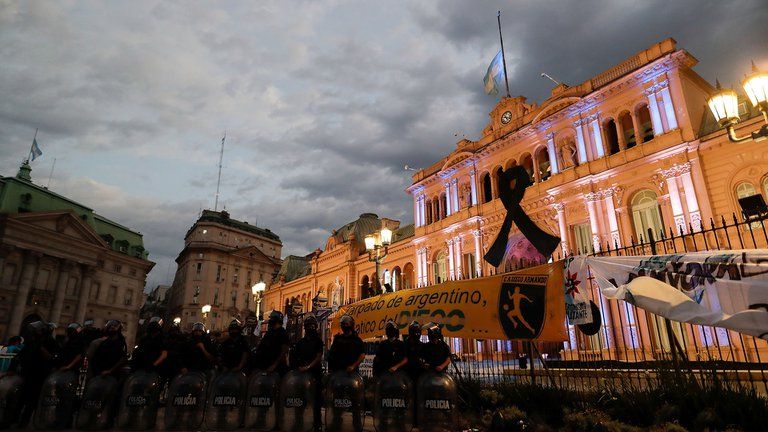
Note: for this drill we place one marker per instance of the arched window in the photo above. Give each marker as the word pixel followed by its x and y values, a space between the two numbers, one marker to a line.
pixel 627 129
pixel 436 210
pixel 365 287
pixel 745 189
pixel 428 207
pixel 487 190
pixel 408 276
pixel 644 123
pixel 646 214
pixel 497 176
pixel 440 267
pixel 526 161
pixel 510 163
pixel 544 166
pixel 611 137
pixel 443 206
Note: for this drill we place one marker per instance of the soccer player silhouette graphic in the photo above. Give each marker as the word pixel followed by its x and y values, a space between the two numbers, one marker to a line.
pixel 514 313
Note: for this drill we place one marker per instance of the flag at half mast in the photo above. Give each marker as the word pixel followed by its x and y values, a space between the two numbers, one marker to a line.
pixel 495 75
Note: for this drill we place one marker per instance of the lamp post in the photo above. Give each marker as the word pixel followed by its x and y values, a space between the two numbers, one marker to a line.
pixel 725 105
pixel 206 310
pixel 177 320
pixel 377 245
pixel 257 290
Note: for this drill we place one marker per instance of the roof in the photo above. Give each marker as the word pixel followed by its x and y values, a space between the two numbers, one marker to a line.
pixel 403 233
pixel 295 267
pixel 367 223
pixel 223 218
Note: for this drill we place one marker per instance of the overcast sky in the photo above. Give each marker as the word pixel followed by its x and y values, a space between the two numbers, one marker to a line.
pixel 323 102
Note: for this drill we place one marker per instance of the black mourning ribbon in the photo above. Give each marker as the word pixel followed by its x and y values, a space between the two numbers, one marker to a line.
pixel 511 195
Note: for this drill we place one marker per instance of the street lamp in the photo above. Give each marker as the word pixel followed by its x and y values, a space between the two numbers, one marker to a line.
pixel 206 310
pixel 725 106
pixel 177 320
pixel 377 245
pixel 257 289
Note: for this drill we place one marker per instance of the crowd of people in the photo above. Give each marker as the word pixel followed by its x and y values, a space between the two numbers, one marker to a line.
pixel 168 351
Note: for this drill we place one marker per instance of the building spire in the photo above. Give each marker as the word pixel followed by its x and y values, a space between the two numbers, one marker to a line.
pixel 25 172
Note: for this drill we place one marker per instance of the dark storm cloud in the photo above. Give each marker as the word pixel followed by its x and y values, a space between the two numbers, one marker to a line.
pixel 323 102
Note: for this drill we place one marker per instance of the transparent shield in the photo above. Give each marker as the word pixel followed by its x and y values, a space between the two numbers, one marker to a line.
pixel 297 400
pixel 97 408
pixel 139 401
pixel 57 402
pixel 261 402
pixel 10 399
pixel 436 408
pixel 186 402
pixel 344 402
pixel 226 401
pixel 393 403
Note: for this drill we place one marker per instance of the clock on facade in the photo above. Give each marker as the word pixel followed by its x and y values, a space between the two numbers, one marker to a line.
pixel 506 117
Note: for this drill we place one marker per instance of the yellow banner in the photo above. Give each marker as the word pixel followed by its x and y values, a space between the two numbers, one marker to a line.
pixel 522 305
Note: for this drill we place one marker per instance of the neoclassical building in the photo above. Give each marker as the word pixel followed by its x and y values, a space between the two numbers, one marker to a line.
pixel 632 148
pixel 62 262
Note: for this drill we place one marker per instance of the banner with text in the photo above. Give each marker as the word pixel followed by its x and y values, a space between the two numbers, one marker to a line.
pixel 727 289
pixel 524 305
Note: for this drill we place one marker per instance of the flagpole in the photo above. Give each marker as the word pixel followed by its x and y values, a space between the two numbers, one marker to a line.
pixel 218 182
pixel 32 146
pixel 503 58
pixel 51 174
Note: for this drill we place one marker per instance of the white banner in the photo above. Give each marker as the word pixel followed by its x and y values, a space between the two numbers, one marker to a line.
pixel 727 289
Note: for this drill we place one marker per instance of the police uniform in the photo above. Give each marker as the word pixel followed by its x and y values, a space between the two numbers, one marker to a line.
pixel 109 352
pixel 193 357
pixel 388 354
pixel 345 350
pixel 270 348
pixel 435 353
pixel 73 346
pixel 413 351
pixel 305 352
pixel 231 351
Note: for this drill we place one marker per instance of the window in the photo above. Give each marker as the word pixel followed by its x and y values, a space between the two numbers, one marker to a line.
pixel 198 269
pixel 611 136
pixel 117 268
pixel 249 278
pixel 218 273
pixel 646 214
pixel 193 313
pixel 235 275
pixel 128 297
pixel 469 265
pixel 627 129
pixel 440 268
pixel 96 291
pixel 545 167
pixel 132 272
pixel 200 255
pixel 745 189
pixel 216 297
pixel 644 122
pixel 487 190
pixel 112 294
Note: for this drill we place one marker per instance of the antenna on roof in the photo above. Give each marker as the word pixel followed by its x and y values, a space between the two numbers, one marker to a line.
pixel 51 174
pixel 218 182
pixel 410 168
pixel 545 75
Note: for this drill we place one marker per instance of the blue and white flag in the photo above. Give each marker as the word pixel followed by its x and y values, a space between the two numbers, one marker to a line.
pixel 495 75
pixel 35 151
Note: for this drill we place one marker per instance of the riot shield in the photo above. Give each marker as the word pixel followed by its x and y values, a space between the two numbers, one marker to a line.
pixel 10 399
pixel 344 402
pixel 437 397
pixel 139 402
pixel 97 408
pixel 261 412
pixel 58 399
pixel 225 402
pixel 393 404
pixel 297 400
pixel 186 402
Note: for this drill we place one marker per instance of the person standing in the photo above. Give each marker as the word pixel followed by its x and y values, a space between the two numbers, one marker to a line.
pixel 70 357
pixel 436 353
pixel 390 355
pixel 34 362
pixel 347 350
pixel 233 352
pixel 271 353
pixel 110 353
pixel 151 354
pixel 307 356
pixel 199 352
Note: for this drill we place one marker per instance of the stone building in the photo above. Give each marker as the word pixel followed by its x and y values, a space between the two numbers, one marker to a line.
pixel 221 260
pixel 632 148
pixel 62 262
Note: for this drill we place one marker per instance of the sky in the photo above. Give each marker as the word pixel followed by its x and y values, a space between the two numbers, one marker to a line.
pixel 323 102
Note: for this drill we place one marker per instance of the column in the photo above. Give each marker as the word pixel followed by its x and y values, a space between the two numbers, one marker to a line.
pixel 458 256
pixel 5 250
pixel 624 224
pixel 597 136
pixel 84 292
pixel 448 205
pixel 636 127
pixel 653 107
pixel 416 210
pixel 455 189
pixel 563 226
pixel 419 269
pixel 425 260
pixel 581 147
pixel 451 274
pixel 536 172
pixel 28 271
pixel 478 253
pixel 690 196
pixel 590 199
pixel 620 134
pixel 61 289
pixel 674 199
pixel 669 109
pixel 613 224
pixel 552 153
pixel 473 187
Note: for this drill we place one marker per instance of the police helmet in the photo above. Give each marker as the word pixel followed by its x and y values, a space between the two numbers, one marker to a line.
pixel 155 324
pixel 88 323
pixel 434 332
pixel 391 330
pixel 198 326
pixel 275 317
pixel 414 329
pixel 310 322
pixel 37 327
pixel 347 323
pixel 75 326
pixel 235 325
pixel 113 325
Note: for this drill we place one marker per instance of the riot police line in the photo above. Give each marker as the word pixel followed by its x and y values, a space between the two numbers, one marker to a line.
pixel 232 385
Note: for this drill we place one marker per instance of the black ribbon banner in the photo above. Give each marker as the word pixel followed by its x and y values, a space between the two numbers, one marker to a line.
pixel 512 185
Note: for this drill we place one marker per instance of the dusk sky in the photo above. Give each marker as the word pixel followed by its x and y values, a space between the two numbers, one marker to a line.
pixel 322 102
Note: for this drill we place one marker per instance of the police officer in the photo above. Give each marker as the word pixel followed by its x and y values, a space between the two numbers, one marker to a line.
pixel 199 351
pixel 72 350
pixel 34 362
pixel 390 355
pixel 347 350
pixel 110 353
pixel 413 352
pixel 233 352
pixel 436 354
pixel 90 332
pixel 271 353
pixel 307 356
pixel 151 353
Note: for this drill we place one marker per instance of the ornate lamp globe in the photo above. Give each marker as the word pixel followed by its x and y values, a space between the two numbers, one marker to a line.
pixel 724 106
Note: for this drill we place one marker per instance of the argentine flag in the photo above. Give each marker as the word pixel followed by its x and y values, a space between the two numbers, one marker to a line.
pixel 35 151
pixel 495 75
